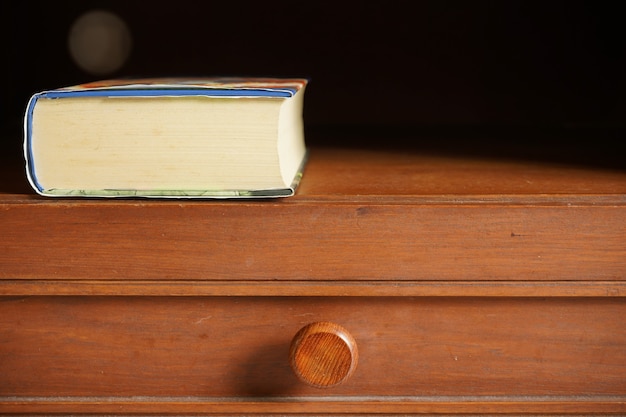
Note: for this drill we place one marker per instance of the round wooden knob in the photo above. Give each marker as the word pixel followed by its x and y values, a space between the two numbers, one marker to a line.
pixel 323 354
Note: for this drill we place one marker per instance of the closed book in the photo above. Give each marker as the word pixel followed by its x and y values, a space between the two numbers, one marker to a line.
pixel 174 137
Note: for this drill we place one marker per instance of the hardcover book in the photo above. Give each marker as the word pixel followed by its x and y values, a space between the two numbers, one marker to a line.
pixel 177 137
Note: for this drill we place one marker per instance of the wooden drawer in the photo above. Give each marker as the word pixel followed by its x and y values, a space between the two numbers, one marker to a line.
pixel 231 354
pixel 471 286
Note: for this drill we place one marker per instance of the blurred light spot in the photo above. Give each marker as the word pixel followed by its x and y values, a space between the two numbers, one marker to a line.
pixel 99 42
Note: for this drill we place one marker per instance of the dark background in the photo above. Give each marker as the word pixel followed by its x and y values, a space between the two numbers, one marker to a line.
pixel 378 65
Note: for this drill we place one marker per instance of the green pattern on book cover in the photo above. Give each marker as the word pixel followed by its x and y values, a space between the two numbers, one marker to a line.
pixel 279 192
pixel 267 193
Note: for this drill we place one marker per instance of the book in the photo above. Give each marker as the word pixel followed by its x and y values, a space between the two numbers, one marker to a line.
pixel 168 138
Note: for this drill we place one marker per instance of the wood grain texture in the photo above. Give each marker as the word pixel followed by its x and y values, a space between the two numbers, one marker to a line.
pixel 239 346
pixel 324 406
pixel 472 285
pixel 461 288
pixel 323 354
pixel 357 216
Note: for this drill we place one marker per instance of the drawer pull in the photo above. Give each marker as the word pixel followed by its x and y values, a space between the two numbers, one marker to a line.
pixel 323 354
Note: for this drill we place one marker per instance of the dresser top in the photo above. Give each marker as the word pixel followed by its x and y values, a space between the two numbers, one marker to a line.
pixel 377 174
pixel 400 217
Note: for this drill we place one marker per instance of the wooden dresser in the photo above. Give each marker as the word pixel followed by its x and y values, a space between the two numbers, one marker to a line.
pixel 450 283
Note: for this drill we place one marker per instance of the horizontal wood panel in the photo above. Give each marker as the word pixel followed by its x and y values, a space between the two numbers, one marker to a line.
pixel 536 406
pixel 275 241
pixel 462 170
pixel 358 215
pixel 313 242
pixel 26 287
pixel 238 346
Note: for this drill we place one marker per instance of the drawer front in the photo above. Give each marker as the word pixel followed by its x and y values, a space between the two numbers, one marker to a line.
pixel 541 241
pixel 412 350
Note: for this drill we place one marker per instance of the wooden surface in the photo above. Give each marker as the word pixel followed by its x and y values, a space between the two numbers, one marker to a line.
pixel 95 352
pixel 323 354
pixel 471 284
pixel 359 215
